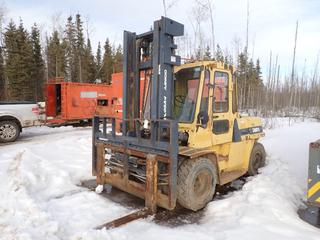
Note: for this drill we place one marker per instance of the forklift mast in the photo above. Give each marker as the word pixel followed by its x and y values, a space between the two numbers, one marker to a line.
pixel 154 52
pixel 143 161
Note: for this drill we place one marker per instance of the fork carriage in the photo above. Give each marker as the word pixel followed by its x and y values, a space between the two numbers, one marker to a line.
pixel 142 163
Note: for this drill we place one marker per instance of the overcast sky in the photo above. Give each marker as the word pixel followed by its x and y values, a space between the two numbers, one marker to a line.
pixel 272 22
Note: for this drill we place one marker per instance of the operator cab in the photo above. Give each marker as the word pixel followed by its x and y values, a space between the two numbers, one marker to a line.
pixel 203 101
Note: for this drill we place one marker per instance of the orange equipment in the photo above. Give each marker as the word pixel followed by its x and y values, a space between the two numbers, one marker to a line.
pixel 70 103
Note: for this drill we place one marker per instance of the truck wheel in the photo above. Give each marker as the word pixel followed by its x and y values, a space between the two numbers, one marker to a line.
pixel 196 183
pixel 257 159
pixel 9 131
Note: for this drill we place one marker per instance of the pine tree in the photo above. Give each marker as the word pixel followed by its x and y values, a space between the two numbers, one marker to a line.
pixel 25 62
pixel 118 59
pixel 11 58
pixel 38 64
pixel 207 54
pixel 55 56
pixel 18 59
pixel 107 63
pixel 258 72
pixel 69 43
pixel 81 72
pixel 219 54
pixel 230 60
pixel 98 62
pixel 241 75
pixel 88 64
pixel 198 53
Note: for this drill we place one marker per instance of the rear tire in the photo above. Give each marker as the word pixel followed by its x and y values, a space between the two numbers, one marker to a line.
pixel 257 159
pixel 9 131
pixel 196 183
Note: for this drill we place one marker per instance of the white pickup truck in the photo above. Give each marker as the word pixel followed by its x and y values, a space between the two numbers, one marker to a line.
pixel 17 115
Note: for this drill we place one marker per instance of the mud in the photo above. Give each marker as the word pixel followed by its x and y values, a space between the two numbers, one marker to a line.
pixel 178 217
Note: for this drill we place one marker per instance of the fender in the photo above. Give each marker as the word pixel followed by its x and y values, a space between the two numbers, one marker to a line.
pixel 4 114
pixel 11 116
pixel 193 153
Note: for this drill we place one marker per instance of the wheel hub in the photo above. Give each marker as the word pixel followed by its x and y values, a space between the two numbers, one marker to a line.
pixel 202 183
pixel 7 131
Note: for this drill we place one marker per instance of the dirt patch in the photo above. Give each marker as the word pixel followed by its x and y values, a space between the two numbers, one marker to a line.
pixel 177 217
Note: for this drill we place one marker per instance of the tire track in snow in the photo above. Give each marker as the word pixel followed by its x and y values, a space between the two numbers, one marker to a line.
pixel 14 173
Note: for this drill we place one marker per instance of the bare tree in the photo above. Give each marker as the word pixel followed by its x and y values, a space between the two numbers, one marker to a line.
pixel 168 5
pixel 57 23
pixel 200 15
pixel 293 65
pixel 247 28
pixel 236 44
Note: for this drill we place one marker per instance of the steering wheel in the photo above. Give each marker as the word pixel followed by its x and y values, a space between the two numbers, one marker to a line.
pixel 179 100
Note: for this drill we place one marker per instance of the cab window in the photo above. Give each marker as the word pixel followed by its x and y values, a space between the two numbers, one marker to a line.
pixel 221 100
pixel 186 86
pixel 205 93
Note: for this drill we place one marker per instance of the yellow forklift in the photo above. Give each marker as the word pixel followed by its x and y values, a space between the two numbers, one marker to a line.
pixel 183 137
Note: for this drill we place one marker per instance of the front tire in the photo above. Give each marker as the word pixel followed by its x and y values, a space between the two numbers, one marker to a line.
pixel 257 159
pixel 196 183
pixel 9 131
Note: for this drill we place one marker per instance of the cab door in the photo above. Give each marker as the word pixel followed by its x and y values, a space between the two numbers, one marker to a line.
pixel 222 118
pixel 203 131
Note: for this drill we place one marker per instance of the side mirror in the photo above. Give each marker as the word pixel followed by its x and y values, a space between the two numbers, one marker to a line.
pixel 203 119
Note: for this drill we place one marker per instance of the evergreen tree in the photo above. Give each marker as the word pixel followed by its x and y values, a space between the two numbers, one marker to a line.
pixel 55 56
pixel 11 56
pixel 118 59
pixel 98 62
pixel 250 83
pixel 69 43
pixel 207 54
pixel 82 69
pixel 219 54
pixel 19 58
pixel 88 63
pixel 25 60
pixel 198 53
pixel 107 63
pixel 241 75
pixel 230 60
pixel 37 64
pixel 258 73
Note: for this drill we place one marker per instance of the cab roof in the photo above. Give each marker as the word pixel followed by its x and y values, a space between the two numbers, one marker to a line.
pixel 211 63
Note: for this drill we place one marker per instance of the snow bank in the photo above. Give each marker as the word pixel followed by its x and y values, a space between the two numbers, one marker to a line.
pixel 39 186
pixel 41 199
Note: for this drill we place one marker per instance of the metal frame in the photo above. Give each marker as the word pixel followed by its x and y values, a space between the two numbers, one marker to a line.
pixel 154 150
pixel 151 51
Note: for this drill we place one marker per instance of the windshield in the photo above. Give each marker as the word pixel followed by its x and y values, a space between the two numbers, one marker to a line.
pixel 185 93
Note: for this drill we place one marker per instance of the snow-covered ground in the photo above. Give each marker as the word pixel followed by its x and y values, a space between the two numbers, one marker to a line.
pixel 40 197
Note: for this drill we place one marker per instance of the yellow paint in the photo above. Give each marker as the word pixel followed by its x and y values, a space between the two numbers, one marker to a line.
pixel 313 189
pixel 236 155
pixel 318 200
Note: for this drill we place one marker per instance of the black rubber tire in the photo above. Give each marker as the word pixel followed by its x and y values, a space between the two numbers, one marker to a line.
pixel 200 174
pixel 4 138
pixel 257 159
